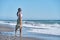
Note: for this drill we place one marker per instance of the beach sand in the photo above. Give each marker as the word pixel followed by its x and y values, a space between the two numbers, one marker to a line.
pixel 8 28
pixel 2 37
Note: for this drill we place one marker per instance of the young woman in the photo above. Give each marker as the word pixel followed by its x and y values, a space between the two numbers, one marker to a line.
pixel 19 21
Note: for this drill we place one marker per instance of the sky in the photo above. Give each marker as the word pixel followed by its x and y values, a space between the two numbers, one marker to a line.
pixel 31 9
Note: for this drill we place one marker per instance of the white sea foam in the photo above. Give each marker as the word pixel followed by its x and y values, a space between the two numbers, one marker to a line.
pixel 3 22
pixel 47 31
pixel 12 23
pixel 53 29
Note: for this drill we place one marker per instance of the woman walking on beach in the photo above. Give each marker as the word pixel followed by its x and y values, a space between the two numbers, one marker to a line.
pixel 19 22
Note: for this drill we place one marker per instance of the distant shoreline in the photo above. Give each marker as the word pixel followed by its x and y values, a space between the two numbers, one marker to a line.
pixel 30 20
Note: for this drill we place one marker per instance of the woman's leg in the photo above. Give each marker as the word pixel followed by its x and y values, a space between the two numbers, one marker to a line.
pixel 16 28
pixel 20 27
pixel 20 31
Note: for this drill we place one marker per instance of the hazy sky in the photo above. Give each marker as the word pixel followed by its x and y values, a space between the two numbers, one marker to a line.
pixel 31 9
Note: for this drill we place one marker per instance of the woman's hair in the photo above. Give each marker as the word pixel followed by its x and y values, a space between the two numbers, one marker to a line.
pixel 19 9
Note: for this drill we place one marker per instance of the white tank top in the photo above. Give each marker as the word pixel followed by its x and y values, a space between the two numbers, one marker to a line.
pixel 18 14
pixel 21 14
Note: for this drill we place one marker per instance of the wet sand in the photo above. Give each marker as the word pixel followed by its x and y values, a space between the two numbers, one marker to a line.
pixel 6 28
pixel 2 37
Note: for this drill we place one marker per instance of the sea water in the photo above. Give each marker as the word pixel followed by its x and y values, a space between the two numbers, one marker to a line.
pixel 45 29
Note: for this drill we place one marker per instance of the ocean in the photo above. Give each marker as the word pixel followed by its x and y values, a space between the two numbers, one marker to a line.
pixel 45 29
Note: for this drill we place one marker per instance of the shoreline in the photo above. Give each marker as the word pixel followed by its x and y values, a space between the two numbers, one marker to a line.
pixel 2 37
pixel 7 31
pixel 8 28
